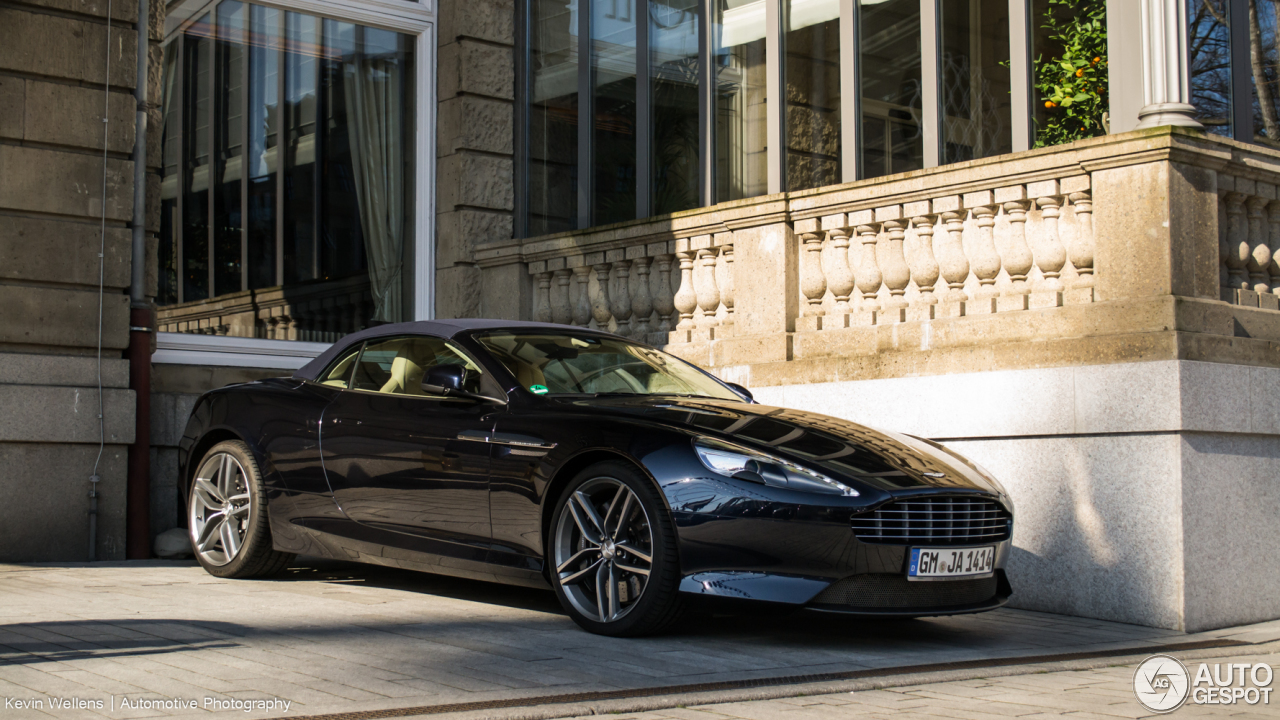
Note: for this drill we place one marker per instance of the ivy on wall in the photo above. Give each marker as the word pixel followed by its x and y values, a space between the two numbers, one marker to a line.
pixel 1072 83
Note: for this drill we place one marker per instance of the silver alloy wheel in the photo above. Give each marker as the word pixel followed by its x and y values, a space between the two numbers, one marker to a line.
pixel 603 549
pixel 219 509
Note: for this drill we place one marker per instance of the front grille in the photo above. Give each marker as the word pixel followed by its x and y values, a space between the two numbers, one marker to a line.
pixel 891 592
pixel 935 521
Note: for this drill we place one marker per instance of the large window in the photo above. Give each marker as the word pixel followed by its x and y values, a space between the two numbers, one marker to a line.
pixel 1234 54
pixel 633 108
pixel 288 175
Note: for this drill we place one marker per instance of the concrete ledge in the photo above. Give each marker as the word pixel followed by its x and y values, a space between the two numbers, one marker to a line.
pixel 30 369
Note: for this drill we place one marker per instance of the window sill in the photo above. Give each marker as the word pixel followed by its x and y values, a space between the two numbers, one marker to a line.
pixel 226 351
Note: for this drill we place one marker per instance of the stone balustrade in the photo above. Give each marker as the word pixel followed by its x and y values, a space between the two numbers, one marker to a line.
pixel 1116 249
pixel 314 312
pixel 1249 242
pixel 1018 247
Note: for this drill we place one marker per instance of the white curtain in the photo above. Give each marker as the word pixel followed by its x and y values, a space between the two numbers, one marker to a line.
pixel 373 90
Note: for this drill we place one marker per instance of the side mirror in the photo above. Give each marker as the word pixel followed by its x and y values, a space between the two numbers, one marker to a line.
pixel 742 391
pixel 446 377
pixel 448 380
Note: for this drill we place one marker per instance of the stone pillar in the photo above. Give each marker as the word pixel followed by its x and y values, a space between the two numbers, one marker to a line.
pixel 1166 89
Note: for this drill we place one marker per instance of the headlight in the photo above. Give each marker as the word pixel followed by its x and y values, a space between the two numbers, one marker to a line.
pixel 738 462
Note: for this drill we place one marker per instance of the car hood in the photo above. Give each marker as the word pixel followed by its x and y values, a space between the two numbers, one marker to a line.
pixel 845 450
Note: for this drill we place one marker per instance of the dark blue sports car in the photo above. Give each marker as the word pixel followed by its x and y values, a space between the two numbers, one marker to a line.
pixel 632 483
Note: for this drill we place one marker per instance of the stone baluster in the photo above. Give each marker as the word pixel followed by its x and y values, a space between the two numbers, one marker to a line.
pixel 724 281
pixel 1018 260
pixel 272 323
pixel 1082 248
pixel 357 317
pixel 952 261
pixel 542 298
pixel 924 268
pixel 836 267
pixel 600 305
pixel 1259 260
pixel 1237 242
pixel 561 308
pixel 897 275
pixel 582 306
pixel 620 300
pixel 868 277
pixel 984 259
pixel 291 327
pixel 1050 255
pixel 1274 267
pixel 641 300
pixel 813 281
pixel 686 298
pixel 704 283
pixel 664 301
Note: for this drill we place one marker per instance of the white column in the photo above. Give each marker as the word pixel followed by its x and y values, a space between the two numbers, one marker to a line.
pixel 1165 85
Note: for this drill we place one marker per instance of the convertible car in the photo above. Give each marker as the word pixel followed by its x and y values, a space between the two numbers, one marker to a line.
pixel 629 481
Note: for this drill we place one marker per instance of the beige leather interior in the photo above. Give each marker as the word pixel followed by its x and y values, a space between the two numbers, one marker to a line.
pixel 406 377
pixel 528 375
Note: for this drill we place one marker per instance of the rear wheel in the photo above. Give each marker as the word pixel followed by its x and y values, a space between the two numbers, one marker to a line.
pixel 613 551
pixel 227 515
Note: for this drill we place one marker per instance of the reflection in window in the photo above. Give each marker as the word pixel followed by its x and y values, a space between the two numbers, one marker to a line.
pixel 673 54
pixel 1264 55
pixel 613 65
pixel 167 279
pixel 813 93
pixel 1209 57
pixel 295 156
pixel 976 108
pixel 892 140
pixel 553 116
pixel 740 111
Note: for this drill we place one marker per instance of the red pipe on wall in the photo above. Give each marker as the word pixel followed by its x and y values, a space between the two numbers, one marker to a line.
pixel 138 488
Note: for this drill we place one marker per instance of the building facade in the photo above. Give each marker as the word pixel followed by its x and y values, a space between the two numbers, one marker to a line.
pixel 1043 232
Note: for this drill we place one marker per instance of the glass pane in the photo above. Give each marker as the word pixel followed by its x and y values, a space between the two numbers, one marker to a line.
pixel 613 62
pixel 813 93
pixel 740 128
pixel 673 54
pixel 1209 55
pixel 229 146
pixel 366 166
pixel 300 100
pixel 167 290
pixel 195 203
pixel 553 116
pixel 891 88
pixel 1264 53
pixel 976 107
pixel 264 151
pixel 1069 44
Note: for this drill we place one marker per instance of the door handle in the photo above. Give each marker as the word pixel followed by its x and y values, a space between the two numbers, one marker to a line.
pixel 500 438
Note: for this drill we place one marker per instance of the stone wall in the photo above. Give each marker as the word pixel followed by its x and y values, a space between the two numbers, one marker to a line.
pixel 474 192
pixel 53 66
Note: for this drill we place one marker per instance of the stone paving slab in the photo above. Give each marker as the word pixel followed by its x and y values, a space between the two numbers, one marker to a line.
pixel 1102 693
pixel 334 637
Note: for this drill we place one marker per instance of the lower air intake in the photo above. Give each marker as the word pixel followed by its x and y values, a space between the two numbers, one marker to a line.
pixel 889 592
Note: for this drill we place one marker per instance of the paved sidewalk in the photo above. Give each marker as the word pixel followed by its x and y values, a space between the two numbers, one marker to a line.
pixel 331 637
pixel 1086 694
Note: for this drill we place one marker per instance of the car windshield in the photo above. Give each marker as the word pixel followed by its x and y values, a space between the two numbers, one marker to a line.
pixel 566 364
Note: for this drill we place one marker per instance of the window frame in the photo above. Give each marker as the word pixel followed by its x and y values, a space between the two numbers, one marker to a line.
pixel 416 19
pixel 449 343
pixel 775 54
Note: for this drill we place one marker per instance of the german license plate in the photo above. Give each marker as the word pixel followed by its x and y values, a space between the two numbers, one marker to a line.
pixel 948 563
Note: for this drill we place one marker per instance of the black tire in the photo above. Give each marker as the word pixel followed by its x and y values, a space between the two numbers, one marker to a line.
pixel 659 605
pixel 255 557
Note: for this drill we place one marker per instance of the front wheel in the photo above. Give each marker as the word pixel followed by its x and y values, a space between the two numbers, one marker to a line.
pixel 227 515
pixel 615 566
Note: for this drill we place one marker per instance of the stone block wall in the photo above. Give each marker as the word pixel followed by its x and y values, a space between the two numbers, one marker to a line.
pixel 474 196
pixel 55 89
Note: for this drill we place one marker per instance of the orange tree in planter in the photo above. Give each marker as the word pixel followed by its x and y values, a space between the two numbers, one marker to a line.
pixel 1073 85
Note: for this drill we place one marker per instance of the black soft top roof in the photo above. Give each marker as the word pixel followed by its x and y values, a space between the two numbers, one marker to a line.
pixel 437 328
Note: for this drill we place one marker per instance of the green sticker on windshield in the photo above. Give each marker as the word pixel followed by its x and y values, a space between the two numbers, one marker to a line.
pixel 538 389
